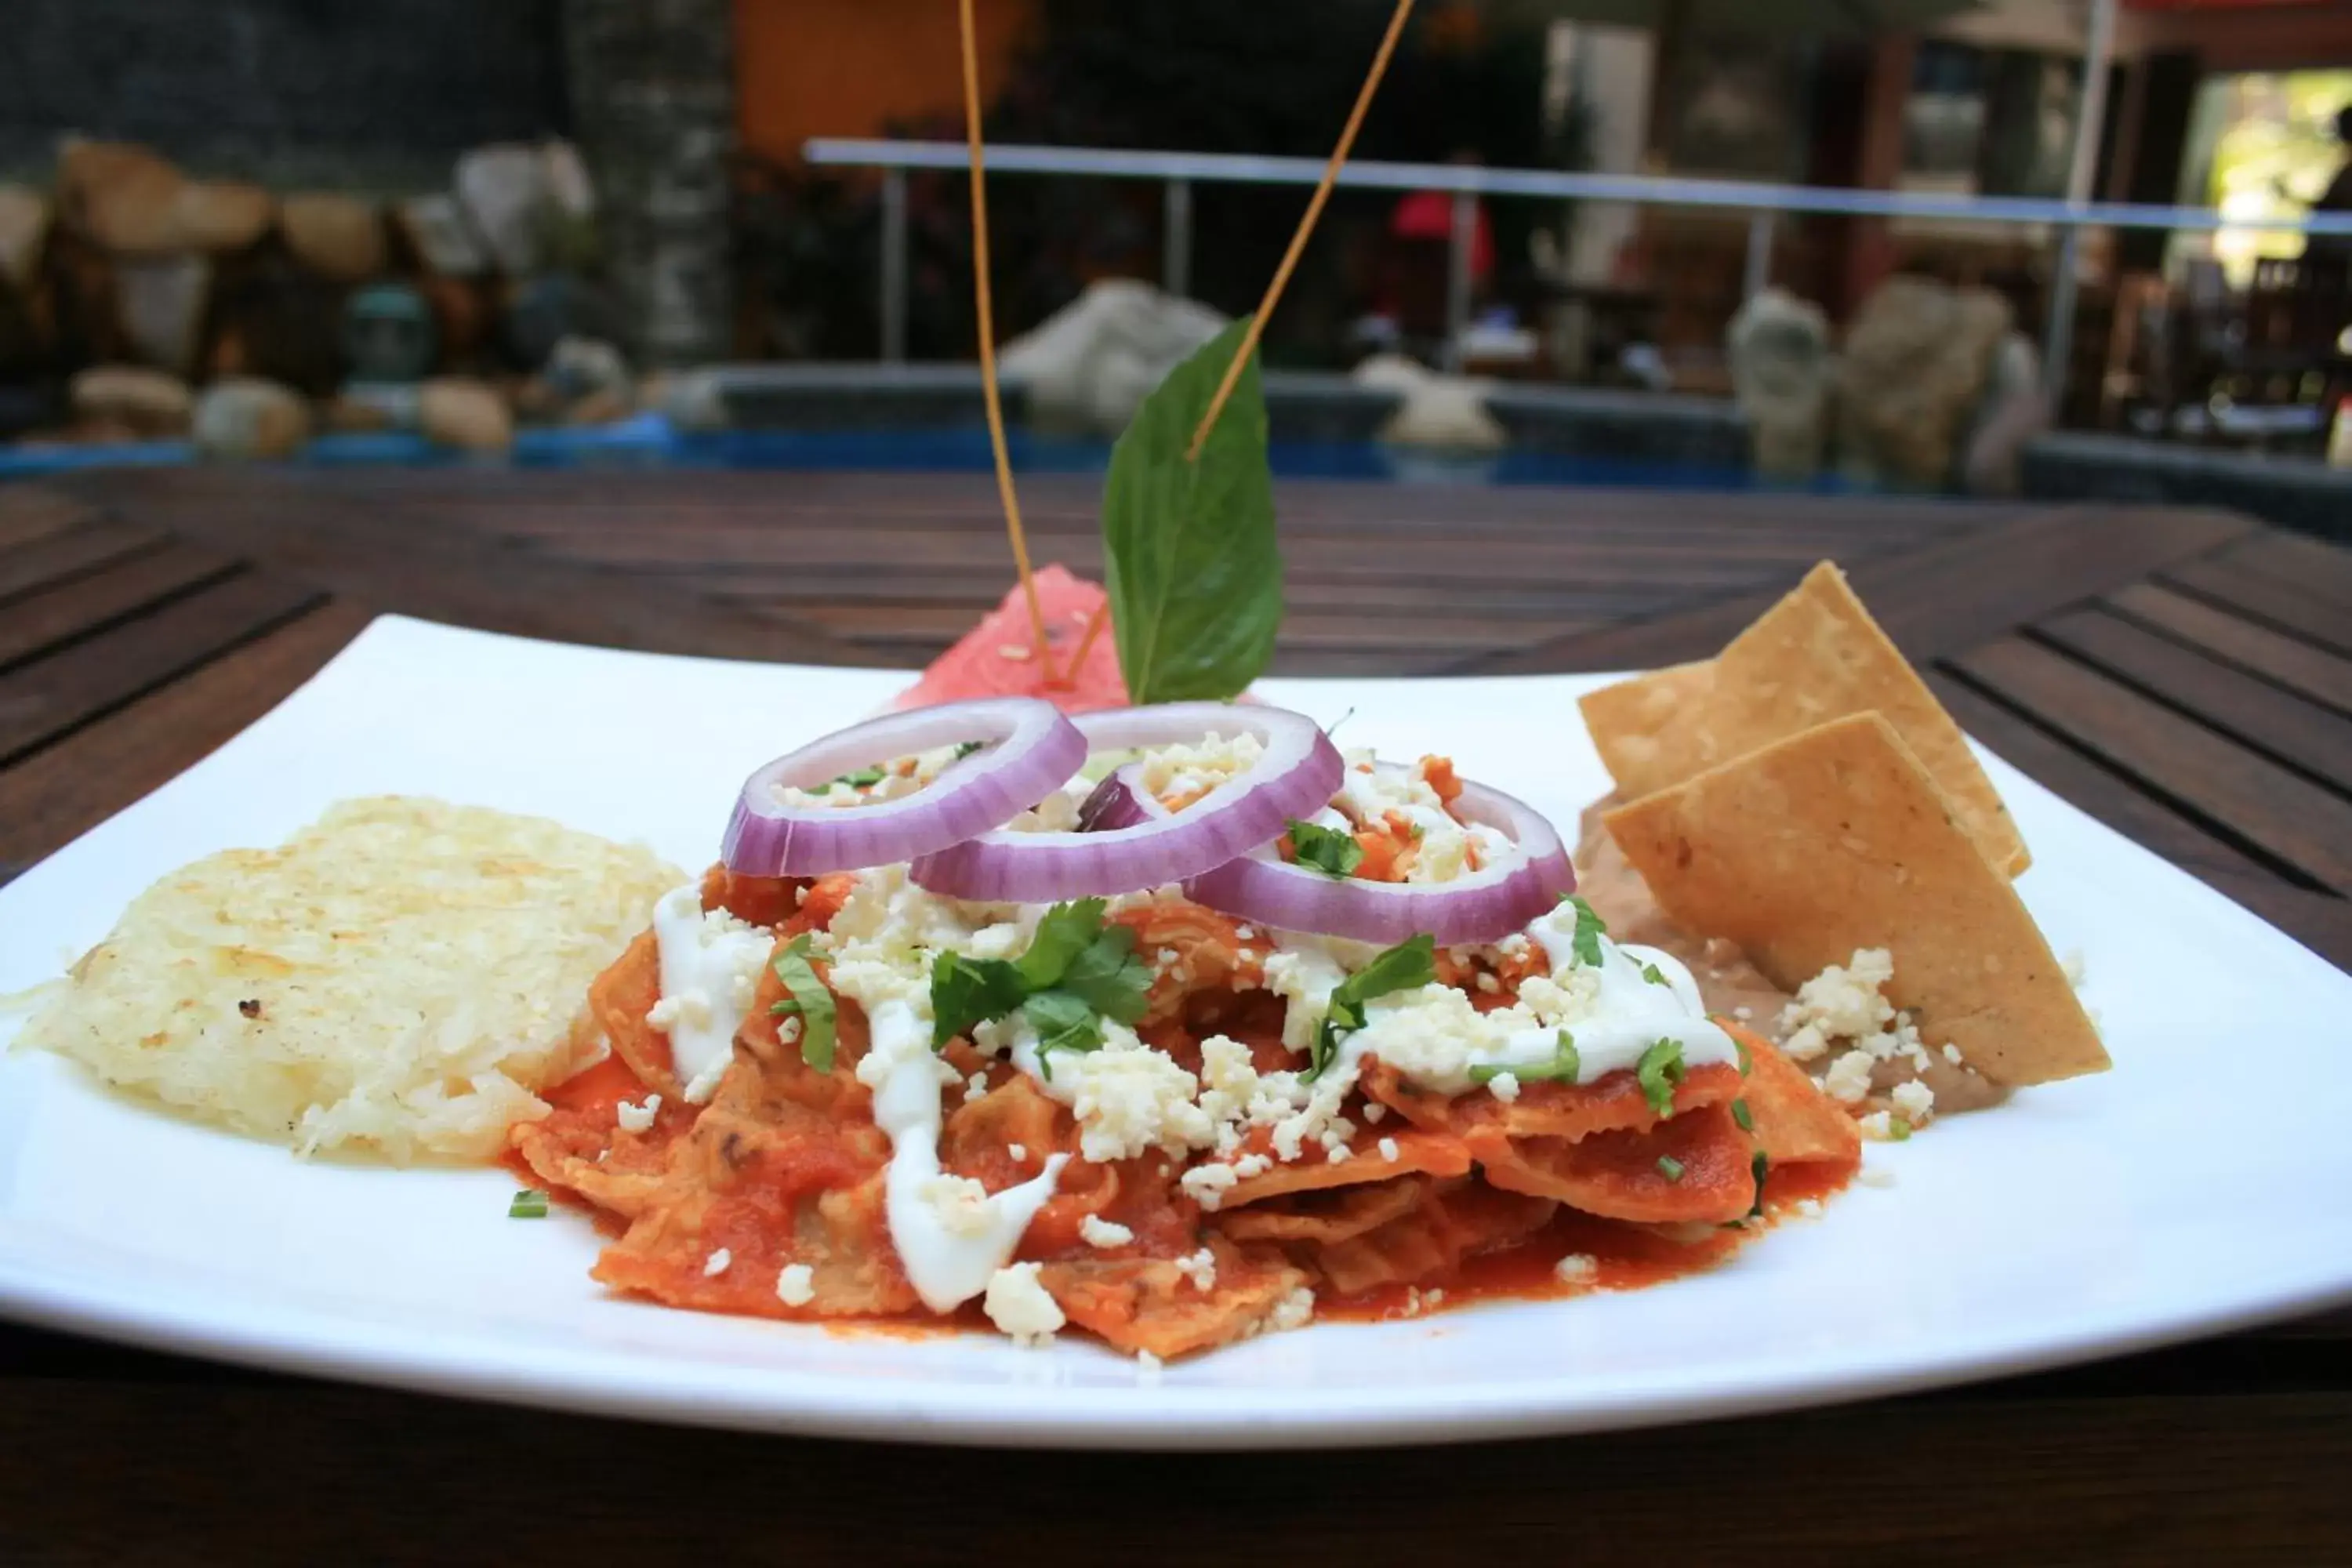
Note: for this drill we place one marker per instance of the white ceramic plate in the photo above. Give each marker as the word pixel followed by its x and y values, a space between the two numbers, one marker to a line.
pixel 2194 1188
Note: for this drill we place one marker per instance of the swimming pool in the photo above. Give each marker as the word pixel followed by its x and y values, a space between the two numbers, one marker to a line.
pixel 650 441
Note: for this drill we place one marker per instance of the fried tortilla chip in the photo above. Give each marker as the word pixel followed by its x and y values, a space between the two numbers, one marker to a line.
pixel 1813 657
pixel 1838 838
pixel 1795 1123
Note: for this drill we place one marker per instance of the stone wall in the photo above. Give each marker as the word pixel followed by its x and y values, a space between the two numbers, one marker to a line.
pixel 653 93
pixel 378 94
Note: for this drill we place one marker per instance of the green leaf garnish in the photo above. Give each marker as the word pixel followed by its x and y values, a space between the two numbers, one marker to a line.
pixel 1063 933
pixel 1589 929
pixel 1191 564
pixel 1670 1167
pixel 1565 1066
pixel 1076 964
pixel 1651 973
pixel 1064 1023
pixel 1327 849
pixel 528 1202
pixel 969 991
pixel 969 747
pixel 1758 1168
pixel 1660 1069
pixel 1110 975
pixel 1741 1114
pixel 864 778
pixel 1408 966
pixel 811 999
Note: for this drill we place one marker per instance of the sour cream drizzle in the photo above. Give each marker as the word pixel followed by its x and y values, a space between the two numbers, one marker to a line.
pixel 948 1265
pixel 709 968
pixel 1435 1038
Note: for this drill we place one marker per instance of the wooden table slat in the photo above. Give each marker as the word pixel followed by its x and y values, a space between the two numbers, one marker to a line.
pixel 67 553
pixel 86 604
pixel 2313 672
pixel 71 786
pixel 1946 596
pixel 2301 733
pixel 2305 613
pixel 2302 823
pixel 43 697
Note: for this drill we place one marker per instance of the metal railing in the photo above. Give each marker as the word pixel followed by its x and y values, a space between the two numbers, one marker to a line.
pixel 1178 171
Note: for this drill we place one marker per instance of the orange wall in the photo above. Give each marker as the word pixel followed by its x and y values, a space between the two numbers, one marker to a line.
pixel 845 68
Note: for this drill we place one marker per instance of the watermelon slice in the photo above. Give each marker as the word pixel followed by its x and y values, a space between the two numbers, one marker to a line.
pixel 998 658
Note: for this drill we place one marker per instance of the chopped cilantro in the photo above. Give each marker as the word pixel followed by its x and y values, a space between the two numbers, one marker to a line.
pixel 529 1204
pixel 1565 1067
pixel 1589 929
pixel 1327 849
pixel 1746 1062
pixel 1660 1069
pixel 1670 1167
pixel 1650 972
pixel 965 991
pixel 1741 1114
pixel 864 778
pixel 1759 1166
pixel 1408 965
pixel 1077 972
pixel 1064 1023
pixel 1108 976
pixel 809 997
pixel 969 747
pixel 1062 932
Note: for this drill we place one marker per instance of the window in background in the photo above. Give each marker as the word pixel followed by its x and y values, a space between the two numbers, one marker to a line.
pixel 2262 145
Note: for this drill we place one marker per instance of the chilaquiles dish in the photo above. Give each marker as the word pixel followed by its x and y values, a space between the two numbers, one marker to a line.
pixel 1061 1056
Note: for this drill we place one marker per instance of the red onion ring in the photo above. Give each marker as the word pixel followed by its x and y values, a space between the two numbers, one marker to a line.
pixel 1035 750
pixel 1298 773
pixel 1486 905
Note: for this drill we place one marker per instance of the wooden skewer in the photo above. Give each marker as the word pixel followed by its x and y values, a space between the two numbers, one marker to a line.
pixel 1086 643
pixel 988 344
pixel 1306 227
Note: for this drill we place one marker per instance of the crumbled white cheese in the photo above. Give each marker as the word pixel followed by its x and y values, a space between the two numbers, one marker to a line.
pixel 1577 1267
pixel 1294 1311
pixel 1878 1126
pixel 1175 772
pixel 1504 1087
pixel 796 1285
pixel 1022 1307
pixel 1849 1077
pixel 1207 1184
pixel 1387 1147
pixel 1916 1100
pixel 716 1264
pixel 1096 1231
pixel 960 1203
pixel 1129 1098
pixel 1201 1268
pixel 639 1117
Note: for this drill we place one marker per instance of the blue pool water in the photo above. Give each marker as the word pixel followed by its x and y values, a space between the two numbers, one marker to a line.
pixel 650 442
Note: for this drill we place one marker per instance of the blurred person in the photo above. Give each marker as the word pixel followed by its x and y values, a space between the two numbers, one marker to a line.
pixel 2331 253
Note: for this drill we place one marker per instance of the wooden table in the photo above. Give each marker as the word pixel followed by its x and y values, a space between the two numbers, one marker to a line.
pixel 2185 676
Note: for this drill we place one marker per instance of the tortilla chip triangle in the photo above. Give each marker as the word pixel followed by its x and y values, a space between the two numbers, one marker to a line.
pixel 1813 657
pixel 1839 838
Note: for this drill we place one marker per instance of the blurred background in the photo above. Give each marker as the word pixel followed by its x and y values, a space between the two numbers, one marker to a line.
pixel 1814 243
